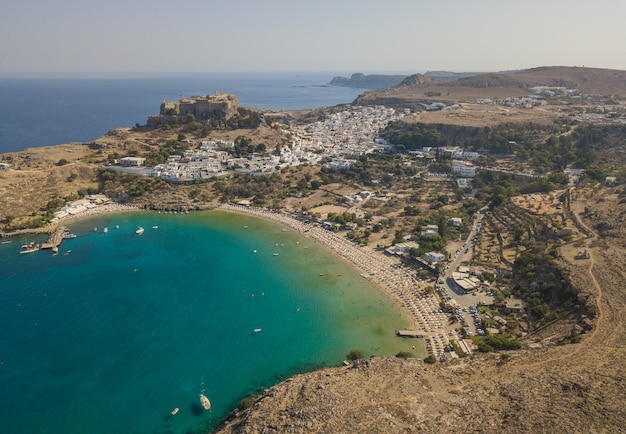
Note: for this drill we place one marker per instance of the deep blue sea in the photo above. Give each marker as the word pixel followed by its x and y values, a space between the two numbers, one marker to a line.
pixel 118 329
pixel 40 112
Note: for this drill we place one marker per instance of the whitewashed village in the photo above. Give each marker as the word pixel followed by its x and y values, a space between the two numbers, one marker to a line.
pixel 334 143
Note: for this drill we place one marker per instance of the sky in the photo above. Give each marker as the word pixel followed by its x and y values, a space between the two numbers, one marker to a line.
pixel 87 37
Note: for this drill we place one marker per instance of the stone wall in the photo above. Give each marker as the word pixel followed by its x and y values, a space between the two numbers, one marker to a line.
pixel 201 107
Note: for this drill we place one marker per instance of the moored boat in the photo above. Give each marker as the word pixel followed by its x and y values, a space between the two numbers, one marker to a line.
pixel 204 401
pixel 139 230
pixel 68 235
pixel 29 248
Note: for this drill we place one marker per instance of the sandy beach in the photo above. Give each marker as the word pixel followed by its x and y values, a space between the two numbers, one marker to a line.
pixel 385 272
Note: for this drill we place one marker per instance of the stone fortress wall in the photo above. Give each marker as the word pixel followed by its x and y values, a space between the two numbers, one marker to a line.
pixel 201 107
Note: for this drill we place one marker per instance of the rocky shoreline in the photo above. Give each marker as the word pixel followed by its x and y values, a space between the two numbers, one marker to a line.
pixel 109 208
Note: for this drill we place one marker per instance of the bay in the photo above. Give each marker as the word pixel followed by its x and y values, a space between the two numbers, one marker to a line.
pixel 113 335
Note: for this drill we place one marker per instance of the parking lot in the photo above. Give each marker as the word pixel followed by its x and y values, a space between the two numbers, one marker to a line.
pixel 464 304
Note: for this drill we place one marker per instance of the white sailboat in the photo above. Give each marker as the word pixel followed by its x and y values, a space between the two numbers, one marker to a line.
pixel 204 401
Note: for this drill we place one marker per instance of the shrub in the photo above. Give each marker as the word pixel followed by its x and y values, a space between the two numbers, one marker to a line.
pixel 430 359
pixel 405 355
pixel 354 355
pixel 247 402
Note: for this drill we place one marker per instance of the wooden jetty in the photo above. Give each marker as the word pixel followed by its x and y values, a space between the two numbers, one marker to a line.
pixel 55 238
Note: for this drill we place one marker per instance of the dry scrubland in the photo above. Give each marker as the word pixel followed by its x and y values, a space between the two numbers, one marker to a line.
pixel 547 386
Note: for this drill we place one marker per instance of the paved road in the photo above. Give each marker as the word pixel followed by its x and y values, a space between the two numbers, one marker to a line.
pixel 464 254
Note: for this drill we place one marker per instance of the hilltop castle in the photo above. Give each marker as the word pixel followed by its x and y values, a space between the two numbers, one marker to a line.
pixel 220 105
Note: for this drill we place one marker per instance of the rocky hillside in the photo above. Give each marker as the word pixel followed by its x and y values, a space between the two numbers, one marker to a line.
pixel 500 85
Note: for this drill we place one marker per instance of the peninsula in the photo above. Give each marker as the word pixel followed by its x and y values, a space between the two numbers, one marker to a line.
pixel 490 208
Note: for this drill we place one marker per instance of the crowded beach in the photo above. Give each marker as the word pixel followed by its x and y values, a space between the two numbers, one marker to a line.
pixel 386 272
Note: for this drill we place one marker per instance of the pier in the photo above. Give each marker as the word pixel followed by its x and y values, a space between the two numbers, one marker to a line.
pixel 55 238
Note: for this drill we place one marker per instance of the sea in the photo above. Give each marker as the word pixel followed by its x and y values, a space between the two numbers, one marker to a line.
pixel 116 330
pixel 37 112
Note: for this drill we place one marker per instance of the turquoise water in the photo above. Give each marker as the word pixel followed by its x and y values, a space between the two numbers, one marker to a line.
pixel 114 335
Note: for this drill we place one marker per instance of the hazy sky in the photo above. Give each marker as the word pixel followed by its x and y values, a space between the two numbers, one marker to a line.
pixel 87 36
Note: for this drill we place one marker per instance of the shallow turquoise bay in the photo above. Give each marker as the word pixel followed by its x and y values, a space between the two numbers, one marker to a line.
pixel 114 335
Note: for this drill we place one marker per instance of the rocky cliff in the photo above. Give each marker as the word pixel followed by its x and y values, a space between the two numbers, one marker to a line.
pixel 220 105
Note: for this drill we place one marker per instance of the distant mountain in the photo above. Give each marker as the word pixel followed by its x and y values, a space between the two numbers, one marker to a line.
pixel 420 89
pixel 374 81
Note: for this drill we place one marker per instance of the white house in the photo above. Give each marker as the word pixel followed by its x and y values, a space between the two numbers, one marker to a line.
pixel 455 221
pixel 402 249
pixel 132 161
pixel 430 230
pixel 462 168
pixel 433 257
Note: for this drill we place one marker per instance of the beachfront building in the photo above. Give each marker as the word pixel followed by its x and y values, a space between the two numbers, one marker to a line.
pixel 80 206
pixel 402 249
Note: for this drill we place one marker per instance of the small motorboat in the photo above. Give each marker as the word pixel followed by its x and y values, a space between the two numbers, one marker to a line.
pixel 175 411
